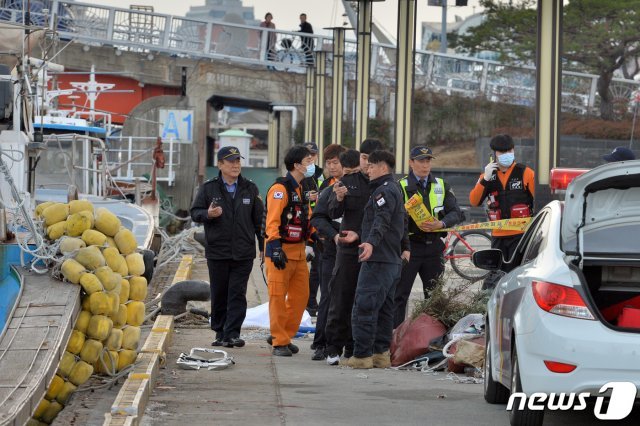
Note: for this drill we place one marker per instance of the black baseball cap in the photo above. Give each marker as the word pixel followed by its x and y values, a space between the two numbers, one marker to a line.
pixel 420 152
pixel 311 146
pixel 229 153
pixel 620 153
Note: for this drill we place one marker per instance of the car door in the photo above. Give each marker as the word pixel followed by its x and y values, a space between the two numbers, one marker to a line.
pixel 512 286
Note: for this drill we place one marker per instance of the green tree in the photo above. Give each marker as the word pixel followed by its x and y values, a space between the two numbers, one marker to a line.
pixel 599 37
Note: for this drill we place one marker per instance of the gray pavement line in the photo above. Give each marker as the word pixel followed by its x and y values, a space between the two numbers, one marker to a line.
pixel 276 386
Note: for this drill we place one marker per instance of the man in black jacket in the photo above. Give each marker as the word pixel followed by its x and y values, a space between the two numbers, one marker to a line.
pixel 307 42
pixel 346 203
pixel 231 210
pixel 380 251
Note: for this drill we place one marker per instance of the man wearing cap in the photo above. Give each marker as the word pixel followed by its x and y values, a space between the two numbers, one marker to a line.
pixel 620 153
pixel 509 188
pixel 231 210
pixel 426 245
pixel 311 186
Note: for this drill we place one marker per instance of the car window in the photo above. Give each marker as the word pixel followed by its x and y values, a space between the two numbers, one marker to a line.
pixel 523 244
pixel 537 239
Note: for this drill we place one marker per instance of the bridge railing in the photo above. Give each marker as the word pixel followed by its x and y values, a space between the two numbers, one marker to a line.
pixel 148 32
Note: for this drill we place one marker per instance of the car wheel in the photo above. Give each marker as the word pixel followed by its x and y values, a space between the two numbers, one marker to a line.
pixel 494 392
pixel 524 417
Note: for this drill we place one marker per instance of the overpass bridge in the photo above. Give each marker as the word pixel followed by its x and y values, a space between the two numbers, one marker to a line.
pixel 153 33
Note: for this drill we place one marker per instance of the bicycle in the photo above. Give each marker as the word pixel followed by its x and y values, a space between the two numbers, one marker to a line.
pixel 289 57
pixel 459 252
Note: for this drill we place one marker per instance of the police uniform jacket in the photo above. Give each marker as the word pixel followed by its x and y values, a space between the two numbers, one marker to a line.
pixel 384 221
pixel 326 227
pixel 351 208
pixel 231 236
pixel 449 212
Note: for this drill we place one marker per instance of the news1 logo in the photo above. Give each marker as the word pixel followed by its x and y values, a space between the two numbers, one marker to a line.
pixel 623 395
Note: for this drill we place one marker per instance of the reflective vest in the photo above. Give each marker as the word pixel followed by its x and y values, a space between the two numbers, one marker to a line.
pixel 294 220
pixel 515 192
pixel 435 206
pixel 436 194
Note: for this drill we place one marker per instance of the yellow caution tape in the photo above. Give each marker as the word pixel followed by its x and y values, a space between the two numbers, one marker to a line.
pixel 420 214
pixel 518 224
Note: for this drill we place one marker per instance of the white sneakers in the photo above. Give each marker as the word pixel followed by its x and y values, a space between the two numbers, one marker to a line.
pixel 333 360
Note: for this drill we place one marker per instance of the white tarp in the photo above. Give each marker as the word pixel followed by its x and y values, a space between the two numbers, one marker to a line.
pixel 259 317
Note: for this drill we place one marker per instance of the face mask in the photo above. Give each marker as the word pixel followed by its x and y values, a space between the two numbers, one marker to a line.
pixel 311 170
pixel 506 160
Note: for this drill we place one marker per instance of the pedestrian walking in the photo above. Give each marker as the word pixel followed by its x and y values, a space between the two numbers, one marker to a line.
pixel 230 208
pixel 509 188
pixel 346 203
pixel 327 231
pixel 426 245
pixel 287 231
pixel 380 248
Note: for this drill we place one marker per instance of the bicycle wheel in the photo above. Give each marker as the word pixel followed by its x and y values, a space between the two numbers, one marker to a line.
pixel 460 254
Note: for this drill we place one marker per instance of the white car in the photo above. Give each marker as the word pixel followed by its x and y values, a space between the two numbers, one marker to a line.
pixel 566 318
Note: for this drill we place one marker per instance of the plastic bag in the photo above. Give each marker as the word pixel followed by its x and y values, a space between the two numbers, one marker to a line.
pixel 470 324
pixel 259 317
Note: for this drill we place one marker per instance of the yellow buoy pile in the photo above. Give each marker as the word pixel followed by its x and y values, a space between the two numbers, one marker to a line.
pixel 101 257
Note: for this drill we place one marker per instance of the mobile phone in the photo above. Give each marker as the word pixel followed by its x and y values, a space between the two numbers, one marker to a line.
pixel 214 204
pixel 343 234
pixel 491 158
pixel 339 184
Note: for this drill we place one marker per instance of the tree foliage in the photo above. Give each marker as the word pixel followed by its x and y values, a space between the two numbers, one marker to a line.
pixel 599 37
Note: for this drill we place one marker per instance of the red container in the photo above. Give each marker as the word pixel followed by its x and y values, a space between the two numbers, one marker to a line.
pixel 629 318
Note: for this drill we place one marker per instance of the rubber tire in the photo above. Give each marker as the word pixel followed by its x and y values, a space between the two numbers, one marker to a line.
pixel 494 392
pixel 525 417
pixel 481 273
pixel 148 257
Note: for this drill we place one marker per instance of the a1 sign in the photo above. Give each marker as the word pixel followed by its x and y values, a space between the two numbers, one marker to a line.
pixel 176 124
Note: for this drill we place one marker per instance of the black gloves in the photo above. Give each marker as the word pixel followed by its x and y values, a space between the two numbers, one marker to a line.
pixel 278 257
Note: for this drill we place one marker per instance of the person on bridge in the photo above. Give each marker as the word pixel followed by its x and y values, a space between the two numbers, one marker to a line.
pixel 381 241
pixel 426 245
pixel 271 36
pixel 327 230
pixel 346 203
pixel 231 210
pixel 307 42
pixel 287 231
pixel 311 186
pixel 509 188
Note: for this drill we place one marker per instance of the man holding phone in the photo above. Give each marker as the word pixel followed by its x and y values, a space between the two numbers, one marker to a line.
pixel 231 210
pixel 509 188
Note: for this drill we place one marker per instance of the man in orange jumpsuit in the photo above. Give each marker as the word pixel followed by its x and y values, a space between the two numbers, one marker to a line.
pixel 287 232
pixel 509 188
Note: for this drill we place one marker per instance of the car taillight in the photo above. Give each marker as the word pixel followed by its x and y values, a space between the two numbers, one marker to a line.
pixel 559 367
pixel 559 179
pixel 560 300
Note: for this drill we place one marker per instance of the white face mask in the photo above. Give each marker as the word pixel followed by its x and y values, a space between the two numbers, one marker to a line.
pixel 311 170
pixel 506 160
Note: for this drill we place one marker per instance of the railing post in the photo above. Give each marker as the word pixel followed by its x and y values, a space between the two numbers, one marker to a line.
pixel 430 68
pixel 207 37
pixel 166 37
pixel 592 93
pixel 264 37
pixel 53 14
pixel 111 19
pixel 129 152
pixel 483 78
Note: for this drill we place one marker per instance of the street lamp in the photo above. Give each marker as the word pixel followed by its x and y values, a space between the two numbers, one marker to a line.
pixel 443 5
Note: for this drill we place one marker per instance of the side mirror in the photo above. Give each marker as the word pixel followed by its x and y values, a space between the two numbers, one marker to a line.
pixel 489 259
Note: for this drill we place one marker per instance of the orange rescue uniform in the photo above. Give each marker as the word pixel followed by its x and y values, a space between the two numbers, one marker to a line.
pixel 478 193
pixel 288 287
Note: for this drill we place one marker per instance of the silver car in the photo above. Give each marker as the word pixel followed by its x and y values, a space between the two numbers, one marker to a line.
pixel 566 318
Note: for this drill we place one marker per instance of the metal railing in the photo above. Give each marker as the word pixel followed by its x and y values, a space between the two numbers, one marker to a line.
pixel 146 32
pixel 130 158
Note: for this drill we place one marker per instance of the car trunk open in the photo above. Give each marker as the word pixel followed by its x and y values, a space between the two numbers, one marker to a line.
pixel 601 236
